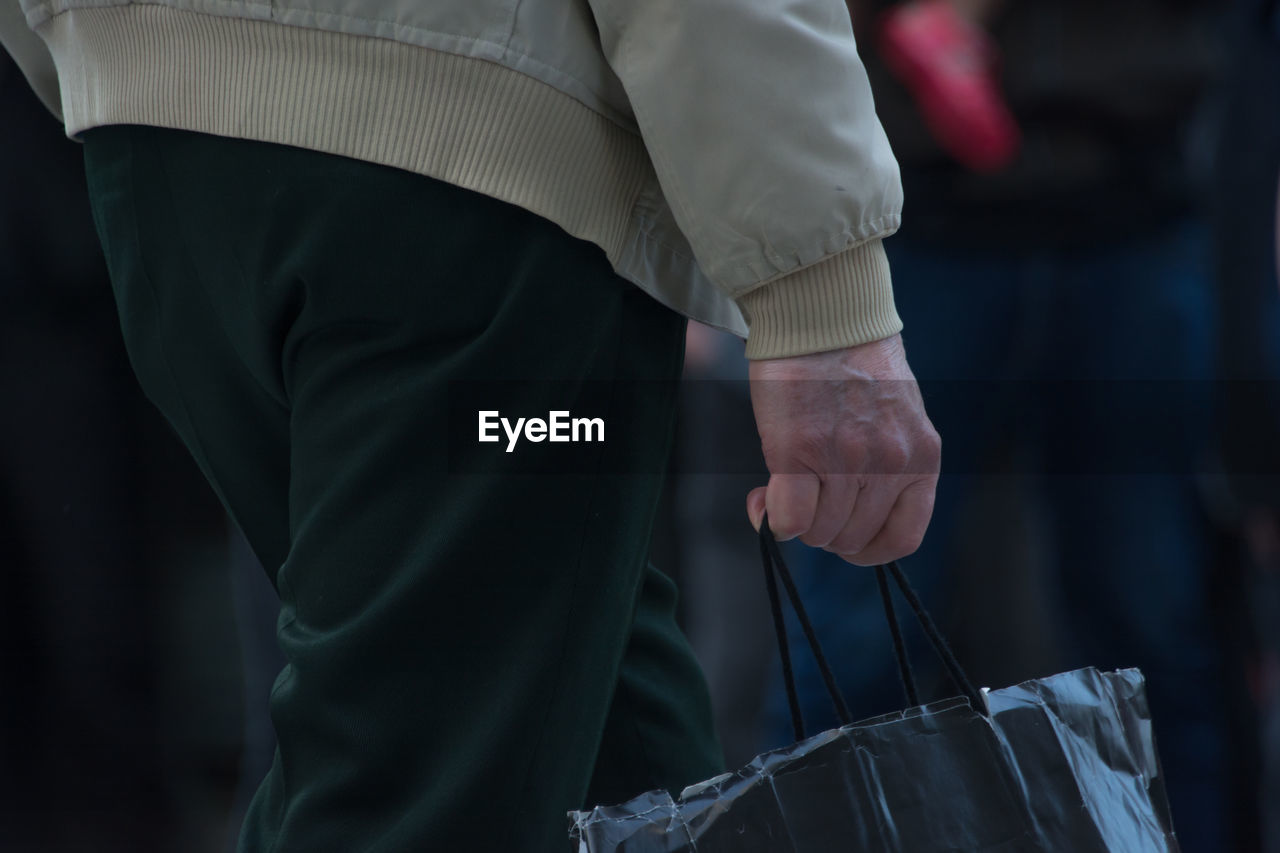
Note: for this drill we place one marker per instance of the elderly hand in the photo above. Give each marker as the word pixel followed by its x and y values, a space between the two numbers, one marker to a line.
pixel 853 459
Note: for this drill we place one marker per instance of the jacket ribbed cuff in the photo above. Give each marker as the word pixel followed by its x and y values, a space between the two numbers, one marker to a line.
pixel 842 301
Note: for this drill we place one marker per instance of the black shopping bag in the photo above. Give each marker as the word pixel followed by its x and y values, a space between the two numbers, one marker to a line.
pixel 1064 764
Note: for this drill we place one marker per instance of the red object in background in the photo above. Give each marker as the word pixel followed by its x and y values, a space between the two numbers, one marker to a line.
pixel 948 66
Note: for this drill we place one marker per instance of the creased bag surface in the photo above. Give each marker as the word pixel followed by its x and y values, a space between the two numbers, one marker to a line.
pixel 1064 764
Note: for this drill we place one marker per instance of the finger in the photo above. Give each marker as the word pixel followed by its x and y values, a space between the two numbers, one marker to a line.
pixel 791 500
pixel 876 500
pixel 755 506
pixel 903 531
pixel 837 498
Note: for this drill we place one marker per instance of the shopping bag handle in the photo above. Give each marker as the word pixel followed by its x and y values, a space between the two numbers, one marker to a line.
pixel 775 565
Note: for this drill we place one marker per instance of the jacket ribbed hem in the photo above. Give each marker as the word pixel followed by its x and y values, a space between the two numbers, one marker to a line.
pixel 816 309
pixel 472 123
pixel 468 122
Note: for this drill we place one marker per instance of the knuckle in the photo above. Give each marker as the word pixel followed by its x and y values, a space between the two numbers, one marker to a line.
pixel 814 539
pixel 808 442
pixel 824 531
pixel 786 520
pixel 787 516
pixel 926 454
pixel 886 549
pixel 859 559
pixel 795 451
pixel 851 449
pixel 911 542
pixel 849 544
pixel 895 457
pixel 932 448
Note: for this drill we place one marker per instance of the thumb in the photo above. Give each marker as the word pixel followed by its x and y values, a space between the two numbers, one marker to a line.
pixel 755 506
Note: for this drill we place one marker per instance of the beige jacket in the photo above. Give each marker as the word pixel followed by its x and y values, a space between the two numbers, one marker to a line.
pixel 725 154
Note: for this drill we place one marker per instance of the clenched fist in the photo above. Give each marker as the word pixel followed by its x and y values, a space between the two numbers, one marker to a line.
pixel 853 459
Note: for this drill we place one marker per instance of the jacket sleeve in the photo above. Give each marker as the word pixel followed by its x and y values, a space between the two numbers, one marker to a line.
pixel 31 55
pixel 759 120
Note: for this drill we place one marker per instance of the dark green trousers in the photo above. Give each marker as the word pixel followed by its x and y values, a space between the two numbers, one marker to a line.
pixel 471 652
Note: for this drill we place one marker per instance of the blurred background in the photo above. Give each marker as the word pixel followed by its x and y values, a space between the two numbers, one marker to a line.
pixel 1086 271
pixel 1087 274
pixel 127 711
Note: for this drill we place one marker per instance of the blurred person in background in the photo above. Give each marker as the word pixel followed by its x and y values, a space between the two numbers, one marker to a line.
pixel 1058 296
pixel 941 53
